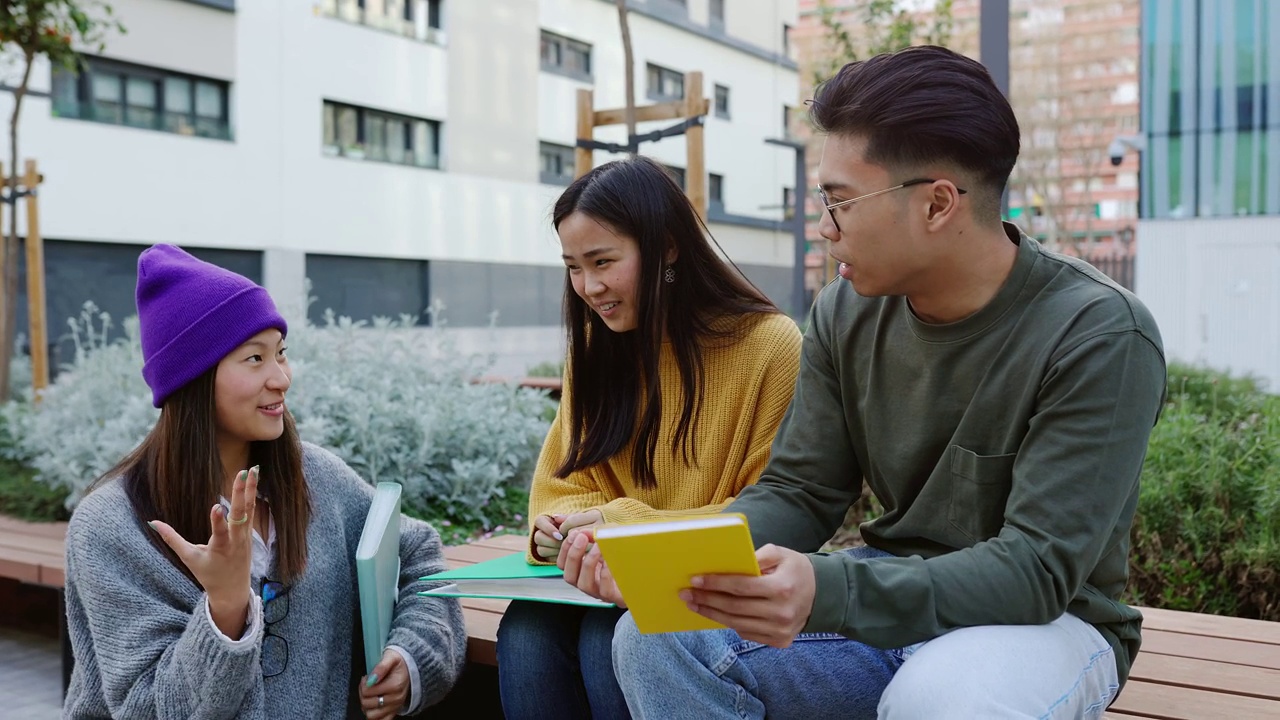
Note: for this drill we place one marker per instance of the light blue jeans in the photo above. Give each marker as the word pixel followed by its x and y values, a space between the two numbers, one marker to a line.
pixel 1064 669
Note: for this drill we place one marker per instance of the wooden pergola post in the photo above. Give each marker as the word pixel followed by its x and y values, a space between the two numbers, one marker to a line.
pixel 695 163
pixel 37 322
pixel 582 157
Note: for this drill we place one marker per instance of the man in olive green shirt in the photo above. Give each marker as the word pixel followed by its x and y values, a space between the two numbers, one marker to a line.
pixel 996 398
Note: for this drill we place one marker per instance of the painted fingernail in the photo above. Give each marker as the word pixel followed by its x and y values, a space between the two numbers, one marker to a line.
pixel 686 596
pixel 254 470
pixel 152 525
pixel 372 680
pixel 557 536
pixel 696 581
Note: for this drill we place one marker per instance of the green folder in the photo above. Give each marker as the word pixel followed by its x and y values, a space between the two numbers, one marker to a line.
pixel 378 570
pixel 510 577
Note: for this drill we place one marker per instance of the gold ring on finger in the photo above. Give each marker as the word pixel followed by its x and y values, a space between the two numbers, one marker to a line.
pixel 241 521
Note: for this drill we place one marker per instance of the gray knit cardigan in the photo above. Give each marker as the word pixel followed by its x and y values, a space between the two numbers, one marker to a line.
pixel 145 648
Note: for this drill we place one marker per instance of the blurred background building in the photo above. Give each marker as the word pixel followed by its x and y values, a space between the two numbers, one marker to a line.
pixel 1209 266
pixel 395 152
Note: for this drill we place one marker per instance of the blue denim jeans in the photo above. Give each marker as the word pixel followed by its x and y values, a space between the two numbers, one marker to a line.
pixel 716 674
pixel 556 661
pixel 1064 669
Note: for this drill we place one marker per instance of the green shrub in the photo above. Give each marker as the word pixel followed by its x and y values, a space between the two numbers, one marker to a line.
pixel 1207 534
pixel 394 400
pixel 547 369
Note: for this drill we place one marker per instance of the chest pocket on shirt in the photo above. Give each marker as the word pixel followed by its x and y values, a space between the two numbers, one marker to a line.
pixel 979 491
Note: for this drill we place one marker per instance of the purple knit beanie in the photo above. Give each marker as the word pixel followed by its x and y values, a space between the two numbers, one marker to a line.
pixel 191 314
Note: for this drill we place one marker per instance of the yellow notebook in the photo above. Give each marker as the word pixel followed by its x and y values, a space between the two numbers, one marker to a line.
pixel 653 561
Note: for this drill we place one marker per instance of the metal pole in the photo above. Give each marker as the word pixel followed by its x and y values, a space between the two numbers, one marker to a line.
pixel 799 295
pixel 993 48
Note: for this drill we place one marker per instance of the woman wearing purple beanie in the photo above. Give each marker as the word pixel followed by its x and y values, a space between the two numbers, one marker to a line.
pixel 259 621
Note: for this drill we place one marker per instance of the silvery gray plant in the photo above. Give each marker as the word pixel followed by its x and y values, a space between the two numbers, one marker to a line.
pixel 392 398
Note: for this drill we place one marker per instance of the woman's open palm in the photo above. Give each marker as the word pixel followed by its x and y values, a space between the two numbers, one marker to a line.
pixel 222 565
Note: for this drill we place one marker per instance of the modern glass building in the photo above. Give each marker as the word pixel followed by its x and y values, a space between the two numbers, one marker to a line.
pixel 1210 108
pixel 1208 241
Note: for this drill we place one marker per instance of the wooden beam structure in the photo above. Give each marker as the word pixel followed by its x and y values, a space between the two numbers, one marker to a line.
pixel 694 105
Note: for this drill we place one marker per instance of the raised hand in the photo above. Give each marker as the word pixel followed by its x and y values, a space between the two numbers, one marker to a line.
pixel 221 566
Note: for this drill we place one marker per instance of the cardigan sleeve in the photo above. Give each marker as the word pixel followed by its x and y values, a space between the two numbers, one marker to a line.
pixel 155 658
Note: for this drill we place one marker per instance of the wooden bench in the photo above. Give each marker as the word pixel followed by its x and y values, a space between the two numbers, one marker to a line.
pixel 1191 665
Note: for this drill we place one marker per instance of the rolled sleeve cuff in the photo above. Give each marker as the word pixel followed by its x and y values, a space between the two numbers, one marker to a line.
pixel 831 593
pixel 251 627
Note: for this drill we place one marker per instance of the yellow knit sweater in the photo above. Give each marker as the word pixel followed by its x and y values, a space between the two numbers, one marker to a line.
pixel 748 388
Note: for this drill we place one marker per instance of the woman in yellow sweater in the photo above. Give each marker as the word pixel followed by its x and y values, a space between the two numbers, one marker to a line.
pixel 679 373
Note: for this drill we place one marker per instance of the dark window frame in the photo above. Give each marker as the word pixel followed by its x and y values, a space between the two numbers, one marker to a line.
pixel 654 71
pixel 565 154
pixel 722 110
pixel 565 45
pixel 84 105
pixel 367 120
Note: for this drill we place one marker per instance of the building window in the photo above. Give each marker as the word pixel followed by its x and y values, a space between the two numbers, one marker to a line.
pixel 722 102
pixel 365 134
pixel 665 84
pixel 786 120
pixel 788 203
pixel 417 19
pixel 677 174
pixel 786 40
pixel 715 191
pixel 557 164
pixel 124 94
pixel 717 15
pixel 566 56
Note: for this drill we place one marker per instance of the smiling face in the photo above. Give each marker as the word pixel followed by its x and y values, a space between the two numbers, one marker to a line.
pixel 604 268
pixel 249 390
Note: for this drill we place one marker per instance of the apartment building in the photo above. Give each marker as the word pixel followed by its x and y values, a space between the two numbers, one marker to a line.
pixel 393 153
pixel 1074 87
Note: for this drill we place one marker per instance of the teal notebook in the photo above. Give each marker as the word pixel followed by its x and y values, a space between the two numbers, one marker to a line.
pixel 378 570
pixel 511 578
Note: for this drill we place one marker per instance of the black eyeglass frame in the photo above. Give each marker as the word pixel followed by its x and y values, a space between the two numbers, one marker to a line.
pixel 831 207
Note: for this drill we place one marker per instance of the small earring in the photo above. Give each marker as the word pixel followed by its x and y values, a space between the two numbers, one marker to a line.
pixel 670 274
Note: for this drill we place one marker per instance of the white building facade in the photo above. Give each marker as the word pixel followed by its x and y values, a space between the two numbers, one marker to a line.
pixel 393 152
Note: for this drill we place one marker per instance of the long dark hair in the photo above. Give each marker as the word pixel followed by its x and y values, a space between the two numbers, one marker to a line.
pixel 609 372
pixel 176 475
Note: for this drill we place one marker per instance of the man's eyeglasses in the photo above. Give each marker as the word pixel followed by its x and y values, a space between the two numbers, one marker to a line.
pixel 275 606
pixel 831 207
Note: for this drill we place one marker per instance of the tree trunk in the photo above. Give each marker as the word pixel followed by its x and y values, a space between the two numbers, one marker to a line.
pixel 9 252
pixel 629 68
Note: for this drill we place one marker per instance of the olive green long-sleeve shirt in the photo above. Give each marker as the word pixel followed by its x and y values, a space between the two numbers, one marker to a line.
pixel 1005 449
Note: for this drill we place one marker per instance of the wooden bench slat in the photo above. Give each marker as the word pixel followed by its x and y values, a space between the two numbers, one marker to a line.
pixel 56 530
pixel 1211 625
pixel 506 543
pixel 1237 652
pixel 1179 703
pixel 53 547
pixel 482 636
pixel 1207 675
pixel 21 565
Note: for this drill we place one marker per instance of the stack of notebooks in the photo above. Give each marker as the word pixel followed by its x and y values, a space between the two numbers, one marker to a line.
pixel 651 562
